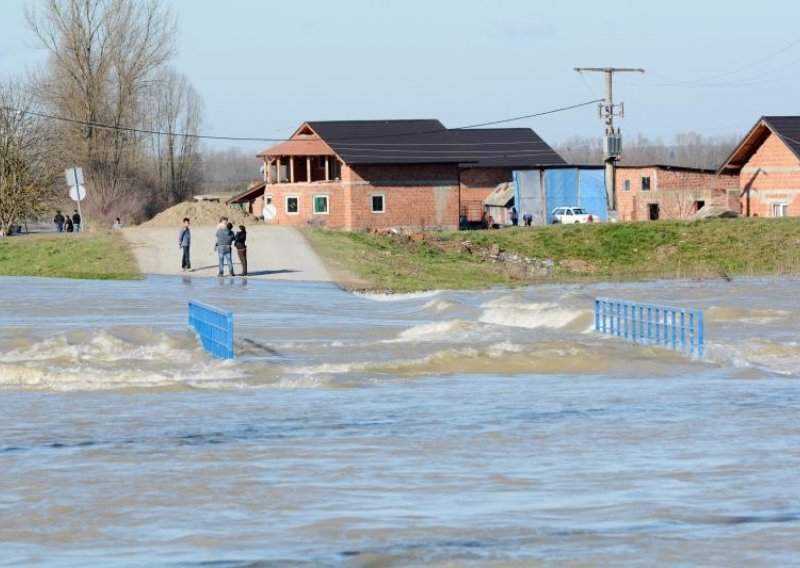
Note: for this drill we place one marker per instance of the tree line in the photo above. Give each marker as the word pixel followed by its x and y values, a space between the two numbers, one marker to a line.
pixel 689 150
pixel 107 100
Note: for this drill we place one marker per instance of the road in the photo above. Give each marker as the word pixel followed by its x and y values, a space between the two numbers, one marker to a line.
pixel 273 253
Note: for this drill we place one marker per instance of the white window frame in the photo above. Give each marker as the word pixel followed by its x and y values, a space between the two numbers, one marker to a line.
pixel 626 185
pixel 649 183
pixel 779 208
pixel 372 202
pixel 286 204
pixel 314 203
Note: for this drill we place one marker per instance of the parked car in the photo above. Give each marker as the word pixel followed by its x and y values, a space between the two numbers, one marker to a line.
pixel 572 215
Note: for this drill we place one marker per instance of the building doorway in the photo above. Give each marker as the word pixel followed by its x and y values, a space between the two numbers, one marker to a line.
pixel 652 211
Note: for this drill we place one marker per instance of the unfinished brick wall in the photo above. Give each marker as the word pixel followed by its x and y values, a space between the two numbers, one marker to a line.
pixel 770 181
pixel 675 193
pixel 414 196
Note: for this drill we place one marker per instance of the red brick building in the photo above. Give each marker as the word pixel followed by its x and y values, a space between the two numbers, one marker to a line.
pixel 671 192
pixel 392 173
pixel 767 163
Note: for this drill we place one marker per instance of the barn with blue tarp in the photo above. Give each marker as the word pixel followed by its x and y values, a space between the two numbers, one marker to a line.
pixel 540 191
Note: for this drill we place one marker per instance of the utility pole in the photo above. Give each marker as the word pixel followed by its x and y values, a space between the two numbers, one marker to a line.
pixel 612 141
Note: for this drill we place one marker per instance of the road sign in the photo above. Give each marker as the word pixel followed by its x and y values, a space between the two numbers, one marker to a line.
pixel 74 176
pixel 270 212
pixel 77 193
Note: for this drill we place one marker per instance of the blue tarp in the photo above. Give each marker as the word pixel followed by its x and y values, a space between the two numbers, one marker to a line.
pixel 562 187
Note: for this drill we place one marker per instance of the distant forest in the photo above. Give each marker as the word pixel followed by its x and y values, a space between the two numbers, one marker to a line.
pixel 689 150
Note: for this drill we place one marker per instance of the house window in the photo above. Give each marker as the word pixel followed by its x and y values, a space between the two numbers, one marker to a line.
pixel 780 209
pixel 321 204
pixel 626 185
pixel 646 183
pixel 378 203
pixel 292 204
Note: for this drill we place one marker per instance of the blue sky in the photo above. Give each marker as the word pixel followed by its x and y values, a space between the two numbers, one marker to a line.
pixel 262 67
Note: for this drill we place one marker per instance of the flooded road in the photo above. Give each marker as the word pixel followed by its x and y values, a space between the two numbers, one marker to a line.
pixel 489 428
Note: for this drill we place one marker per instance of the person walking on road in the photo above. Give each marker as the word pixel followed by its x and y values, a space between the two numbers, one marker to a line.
pixel 184 242
pixel 223 247
pixel 76 221
pixel 59 221
pixel 241 247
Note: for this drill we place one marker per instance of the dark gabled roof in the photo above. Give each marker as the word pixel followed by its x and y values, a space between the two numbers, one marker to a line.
pixel 429 142
pixel 787 128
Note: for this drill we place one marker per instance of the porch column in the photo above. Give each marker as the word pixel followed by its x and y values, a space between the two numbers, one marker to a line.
pixel 291 169
pixel 327 169
pixel 267 170
pixel 308 169
pixel 278 170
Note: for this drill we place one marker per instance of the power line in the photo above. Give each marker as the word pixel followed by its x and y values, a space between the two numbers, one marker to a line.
pixel 252 139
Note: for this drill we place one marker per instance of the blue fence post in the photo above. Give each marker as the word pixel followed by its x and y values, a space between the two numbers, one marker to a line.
pixel 214 327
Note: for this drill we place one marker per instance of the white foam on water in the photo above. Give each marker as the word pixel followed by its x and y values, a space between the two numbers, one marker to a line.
pixel 104 361
pixel 452 330
pixel 398 297
pixel 533 316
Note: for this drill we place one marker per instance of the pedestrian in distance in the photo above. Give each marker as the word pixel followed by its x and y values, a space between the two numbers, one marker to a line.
pixel 59 222
pixel 527 218
pixel 514 217
pixel 68 226
pixel 239 241
pixel 117 226
pixel 184 242
pixel 223 247
pixel 76 221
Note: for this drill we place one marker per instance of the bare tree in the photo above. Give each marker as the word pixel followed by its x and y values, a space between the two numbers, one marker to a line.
pixel 26 191
pixel 103 54
pixel 175 113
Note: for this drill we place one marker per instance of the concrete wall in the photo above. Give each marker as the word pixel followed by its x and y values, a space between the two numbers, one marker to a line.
pixel 770 179
pixel 675 193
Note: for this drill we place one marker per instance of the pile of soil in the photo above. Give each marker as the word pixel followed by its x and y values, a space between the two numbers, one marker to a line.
pixel 201 213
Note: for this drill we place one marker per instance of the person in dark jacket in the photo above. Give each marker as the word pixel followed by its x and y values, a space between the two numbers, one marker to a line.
pixel 184 242
pixel 241 248
pixel 76 220
pixel 68 225
pixel 223 246
pixel 59 221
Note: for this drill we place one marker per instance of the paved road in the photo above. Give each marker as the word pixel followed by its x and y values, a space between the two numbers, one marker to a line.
pixel 274 253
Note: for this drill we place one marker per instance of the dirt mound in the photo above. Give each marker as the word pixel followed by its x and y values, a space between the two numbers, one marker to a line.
pixel 203 213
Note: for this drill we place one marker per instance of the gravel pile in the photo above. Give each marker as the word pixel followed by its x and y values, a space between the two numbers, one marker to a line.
pixel 203 213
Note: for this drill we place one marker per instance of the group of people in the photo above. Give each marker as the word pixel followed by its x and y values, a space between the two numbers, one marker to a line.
pixel 527 218
pixel 226 240
pixel 66 223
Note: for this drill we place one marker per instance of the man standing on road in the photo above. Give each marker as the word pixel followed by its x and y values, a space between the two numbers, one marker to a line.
pixel 184 242
pixel 59 221
pixel 223 246
pixel 76 221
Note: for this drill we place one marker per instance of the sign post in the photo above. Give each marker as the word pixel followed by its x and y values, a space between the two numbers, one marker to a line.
pixel 77 191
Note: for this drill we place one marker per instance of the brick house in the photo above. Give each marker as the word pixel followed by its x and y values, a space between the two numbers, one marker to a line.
pixel 671 192
pixel 767 164
pixel 389 173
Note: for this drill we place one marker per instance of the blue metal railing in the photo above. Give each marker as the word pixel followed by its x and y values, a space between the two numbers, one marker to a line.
pixel 215 328
pixel 678 328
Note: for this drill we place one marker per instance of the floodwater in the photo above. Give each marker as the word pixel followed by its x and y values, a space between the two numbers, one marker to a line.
pixel 488 428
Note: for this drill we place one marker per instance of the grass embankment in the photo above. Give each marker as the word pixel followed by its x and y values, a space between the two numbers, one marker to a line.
pixel 712 248
pixel 102 256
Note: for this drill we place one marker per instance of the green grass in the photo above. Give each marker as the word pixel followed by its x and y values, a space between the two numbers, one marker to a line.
pixel 713 248
pixel 102 256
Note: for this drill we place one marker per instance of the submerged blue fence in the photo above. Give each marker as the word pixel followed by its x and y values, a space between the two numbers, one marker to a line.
pixel 215 328
pixel 678 328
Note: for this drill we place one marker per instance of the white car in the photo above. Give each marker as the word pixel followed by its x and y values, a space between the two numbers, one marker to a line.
pixel 572 215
